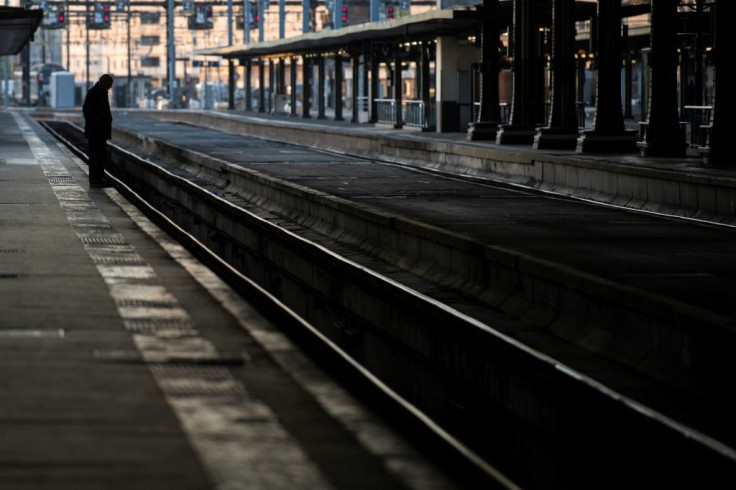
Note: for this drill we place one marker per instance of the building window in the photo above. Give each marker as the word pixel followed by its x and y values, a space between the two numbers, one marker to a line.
pixel 150 40
pixel 150 17
pixel 150 62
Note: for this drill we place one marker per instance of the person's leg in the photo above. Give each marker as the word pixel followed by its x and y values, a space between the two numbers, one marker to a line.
pixel 96 160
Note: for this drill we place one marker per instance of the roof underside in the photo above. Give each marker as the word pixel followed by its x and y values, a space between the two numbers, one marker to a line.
pixel 17 26
pixel 427 25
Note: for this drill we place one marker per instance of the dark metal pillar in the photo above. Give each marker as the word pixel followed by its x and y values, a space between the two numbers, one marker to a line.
pixel 375 62
pixel 424 60
pixel 26 74
pixel 321 87
pixel 261 86
pixel 521 127
pixel 489 118
pixel 718 150
pixel 562 131
pixel 281 78
pixel 398 92
pixel 685 88
pixel 271 85
pixel 365 93
pixel 699 50
pixel 306 86
pixel 608 133
pixel 663 137
pixel 580 101
pixel 292 80
pixel 338 86
pixel 627 75
pixel 248 89
pixel 356 85
pixel 231 84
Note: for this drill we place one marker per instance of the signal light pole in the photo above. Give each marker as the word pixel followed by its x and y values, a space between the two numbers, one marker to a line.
pixel 230 63
pixel 86 43
pixel 170 49
pixel 338 14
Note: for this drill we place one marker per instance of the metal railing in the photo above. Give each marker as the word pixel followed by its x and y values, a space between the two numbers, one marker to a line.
pixel 504 110
pixel 420 113
pixel 699 118
pixel 386 111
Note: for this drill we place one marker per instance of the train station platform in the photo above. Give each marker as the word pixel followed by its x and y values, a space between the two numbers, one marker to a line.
pixel 126 364
pixel 635 256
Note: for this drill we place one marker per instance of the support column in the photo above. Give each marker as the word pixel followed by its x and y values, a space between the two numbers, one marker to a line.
pixel 375 64
pixel 453 60
pixel 248 74
pixel 580 100
pixel 293 86
pixel 628 73
pixel 271 86
pixel 399 121
pixel 718 150
pixel 685 87
pixel 562 132
pixel 424 60
pixel 230 84
pixel 306 86
pixel 364 77
pixel 261 86
pixel 521 127
pixel 663 137
pixel 281 78
pixel 356 85
pixel 338 86
pixel 608 133
pixel 699 50
pixel 321 87
pixel 429 115
pixel 489 118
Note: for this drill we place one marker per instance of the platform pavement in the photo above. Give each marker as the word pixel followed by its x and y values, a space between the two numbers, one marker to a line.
pixel 124 364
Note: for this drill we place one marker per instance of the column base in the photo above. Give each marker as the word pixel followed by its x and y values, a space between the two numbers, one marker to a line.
pixel 716 158
pixel 555 139
pixel 515 134
pixel 607 142
pixel 661 149
pixel 482 131
pixel 663 141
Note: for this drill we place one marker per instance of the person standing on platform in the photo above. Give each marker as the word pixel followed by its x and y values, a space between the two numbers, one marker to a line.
pixel 98 129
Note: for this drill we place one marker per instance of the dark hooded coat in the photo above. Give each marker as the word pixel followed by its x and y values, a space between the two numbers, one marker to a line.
pixel 97 115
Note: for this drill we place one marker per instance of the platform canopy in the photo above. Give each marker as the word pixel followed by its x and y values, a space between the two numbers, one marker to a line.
pixel 17 26
pixel 437 22
pixel 428 24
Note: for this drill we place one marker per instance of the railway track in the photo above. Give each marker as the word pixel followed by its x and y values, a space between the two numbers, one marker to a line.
pixel 499 412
